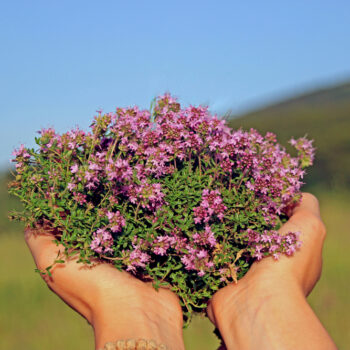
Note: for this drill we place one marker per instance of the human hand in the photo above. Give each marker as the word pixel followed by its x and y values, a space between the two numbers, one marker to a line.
pixel 116 304
pixel 248 314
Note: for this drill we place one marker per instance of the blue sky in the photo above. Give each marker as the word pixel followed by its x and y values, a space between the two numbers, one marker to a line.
pixel 62 60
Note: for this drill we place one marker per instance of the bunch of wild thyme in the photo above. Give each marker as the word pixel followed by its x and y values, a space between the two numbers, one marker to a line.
pixel 171 195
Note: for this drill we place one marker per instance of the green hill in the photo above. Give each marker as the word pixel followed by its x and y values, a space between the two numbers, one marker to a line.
pixel 324 115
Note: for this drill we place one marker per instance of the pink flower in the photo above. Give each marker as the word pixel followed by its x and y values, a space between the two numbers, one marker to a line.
pixel 202 254
pixel 102 242
pixel 117 222
pixel 71 186
pixel 74 168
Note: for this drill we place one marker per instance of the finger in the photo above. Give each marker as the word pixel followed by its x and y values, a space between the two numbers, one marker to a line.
pixel 38 239
pixel 308 203
pixel 307 221
pixel 305 217
pixel 42 246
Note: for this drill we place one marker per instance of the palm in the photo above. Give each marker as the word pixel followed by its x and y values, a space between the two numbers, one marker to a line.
pixel 89 289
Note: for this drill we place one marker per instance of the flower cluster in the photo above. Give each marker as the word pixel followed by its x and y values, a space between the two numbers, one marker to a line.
pixel 171 195
pixel 102 241
pixel 211 204
pixel 269 242
pixel 116 221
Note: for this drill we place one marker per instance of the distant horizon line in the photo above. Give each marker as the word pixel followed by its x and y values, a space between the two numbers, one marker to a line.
pixel 289 94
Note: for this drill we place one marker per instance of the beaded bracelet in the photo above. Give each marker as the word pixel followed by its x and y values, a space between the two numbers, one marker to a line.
pixel 134 344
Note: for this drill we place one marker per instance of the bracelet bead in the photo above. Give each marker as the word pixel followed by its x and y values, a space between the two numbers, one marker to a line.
pixel 134 344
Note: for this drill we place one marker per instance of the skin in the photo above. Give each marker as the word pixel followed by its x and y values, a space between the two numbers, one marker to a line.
pixel 267 309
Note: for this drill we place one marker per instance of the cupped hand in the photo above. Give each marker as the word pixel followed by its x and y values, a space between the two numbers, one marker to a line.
pixel 302 270
pixel 267 308
pixel 116 304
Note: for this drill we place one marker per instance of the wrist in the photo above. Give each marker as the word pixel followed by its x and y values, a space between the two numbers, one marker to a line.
pixel 121 322
pixel 137 318
pixel 250 293
pixel 269 316
pixel 237 308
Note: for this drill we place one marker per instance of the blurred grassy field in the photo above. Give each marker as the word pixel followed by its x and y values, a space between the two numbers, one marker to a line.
pixel 33 318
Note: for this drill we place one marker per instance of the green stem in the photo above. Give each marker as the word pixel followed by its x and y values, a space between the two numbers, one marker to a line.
pixel 113 148
pixel 137 210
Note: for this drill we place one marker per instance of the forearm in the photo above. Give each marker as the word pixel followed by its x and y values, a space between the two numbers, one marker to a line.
pixel 280 319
